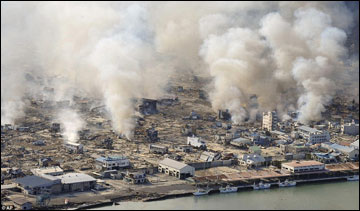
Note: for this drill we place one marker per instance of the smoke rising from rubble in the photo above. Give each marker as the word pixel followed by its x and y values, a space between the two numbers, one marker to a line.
pixel 71 123
pixel 293 56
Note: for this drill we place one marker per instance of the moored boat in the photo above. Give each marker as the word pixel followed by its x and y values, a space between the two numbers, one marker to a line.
pixel 353 178
pixel 228 189
pixel 261 186
pixel 287 183
pixel 201 192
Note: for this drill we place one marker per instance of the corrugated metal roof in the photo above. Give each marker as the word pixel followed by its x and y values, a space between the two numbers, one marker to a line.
pixel 75 178
pixel 33 181
pixel 173 163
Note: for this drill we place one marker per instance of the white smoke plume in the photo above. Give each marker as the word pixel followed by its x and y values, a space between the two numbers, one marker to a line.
pixel 291 55
pixel 70 123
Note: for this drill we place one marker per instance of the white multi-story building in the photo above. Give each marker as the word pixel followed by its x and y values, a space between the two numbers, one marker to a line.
pixel 350 128
pixel 112 162
pixel 270 120
pixel 313 135
pixel 302 166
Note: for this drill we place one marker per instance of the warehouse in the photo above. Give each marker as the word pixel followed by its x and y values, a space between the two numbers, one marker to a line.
pixel 77 182
pixel 36 185
pixel 175 168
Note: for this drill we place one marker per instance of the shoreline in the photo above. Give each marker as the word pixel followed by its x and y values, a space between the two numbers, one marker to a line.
pixel 179 195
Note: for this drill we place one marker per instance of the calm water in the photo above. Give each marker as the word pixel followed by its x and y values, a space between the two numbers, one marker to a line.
pixel 325 196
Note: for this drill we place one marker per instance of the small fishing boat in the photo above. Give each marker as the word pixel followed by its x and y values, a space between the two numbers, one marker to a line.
pixel 228 189
pixel 201 192
pixel 261 186
pixel 287 183
pixel 353 178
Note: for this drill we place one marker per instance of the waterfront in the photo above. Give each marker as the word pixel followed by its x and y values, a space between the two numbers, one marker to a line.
pixel 324 196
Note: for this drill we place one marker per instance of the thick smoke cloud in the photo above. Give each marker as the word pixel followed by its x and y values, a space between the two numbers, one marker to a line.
pixel 293 56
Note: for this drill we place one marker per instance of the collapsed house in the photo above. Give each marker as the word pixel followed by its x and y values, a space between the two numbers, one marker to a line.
pixel 193 116
pixel 196 142
pixel 224 115
pixel 241 142
pixel 183 148
pixel 108 143
pixel 159 149
pixel 168 101
pixel 210 156
pixel 152 134
pixel 55 127
pixel 188 130
pixel 148 107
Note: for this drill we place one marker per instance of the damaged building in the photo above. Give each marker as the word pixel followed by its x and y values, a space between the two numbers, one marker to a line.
pixel 225 115
pixel 158 149
pixel 148 107
pixel 74 147
pixel 152 134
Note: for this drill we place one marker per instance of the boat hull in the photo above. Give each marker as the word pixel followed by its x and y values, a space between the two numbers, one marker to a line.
pixel 266 186
pixel 353 178
pixel 229 190
pixel 201 193
pixel 290 184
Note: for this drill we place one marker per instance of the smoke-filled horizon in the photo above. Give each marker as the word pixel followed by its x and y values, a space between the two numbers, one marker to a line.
pixel 294 56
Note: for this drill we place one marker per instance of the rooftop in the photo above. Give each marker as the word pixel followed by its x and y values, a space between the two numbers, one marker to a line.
pixel 33 181
pixel 47 170
pixel 110 158
pixel 75 178
pixel 308 129
pixel 173 163
pixel 303 163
